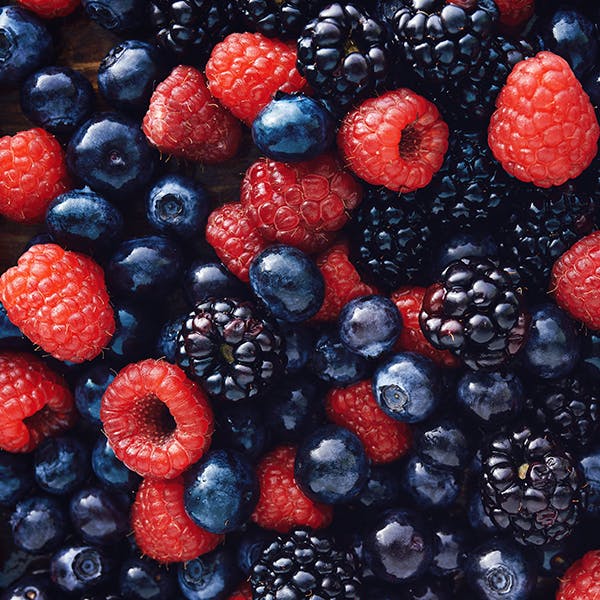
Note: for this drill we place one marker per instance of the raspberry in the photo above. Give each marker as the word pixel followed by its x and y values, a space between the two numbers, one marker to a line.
pixel 245 71
pixel 234 238
pixel 342 282
pixel 35 402
pixel 162 528
pixel 408 301
pixel 183 119
pixel 157 421
pixel 576 280
pixel 544 129
pixel 397 140
pixel 48 9
pixel 58 299
pixel 514 13
pixel 355 408
pixel 33 172
pixel 282 505
pixel 300 204
pixel 244 592
pixel 582 579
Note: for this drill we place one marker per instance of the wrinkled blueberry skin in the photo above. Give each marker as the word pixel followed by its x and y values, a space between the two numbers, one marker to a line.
pixel 166 344
pixel 16 477
pixel 30 587
pixel 89 389
pixel 110 470
pixel 444 445
pixel 25 45
pixel 145 578
pixel 204 280
pixel 116 15
pixel 382 489
pixel 80 569
pixel 464 244
pixel 428 486
pixel 590 465
pixel 242 428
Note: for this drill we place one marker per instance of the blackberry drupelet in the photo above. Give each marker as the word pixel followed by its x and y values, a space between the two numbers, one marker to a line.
pixel 475 311
pixel 531 486
pixel 306 564
pixel 390 238
pixel 228 347
pixel 343 55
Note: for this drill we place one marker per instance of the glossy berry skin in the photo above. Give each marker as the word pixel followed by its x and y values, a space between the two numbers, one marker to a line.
pixel 250 546
pixel 166 343
pixel 241 427
pixel 298 342
pixel 293 128
pixel 478 518
pixel 144 579
pixel 462 245
pixel 110 471
pixel 381 491
pixel 10 335
pixel 590 467
pixel 16 477
pixel 81 569
pixel 116 15
pixel 36 587
pixel 451 543
pixel 581 579
pixel 444 444
pixel 88 391
pixel 429 486
pixel 407 387
pixel 204 279
pixel 58 99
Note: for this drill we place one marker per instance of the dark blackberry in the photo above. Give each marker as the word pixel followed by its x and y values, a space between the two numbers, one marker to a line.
pixel 343 55
pixel 531 487
pixel 191 28
pixel 390 239
pixel 230 349
pixel 476 312
pixel 305 564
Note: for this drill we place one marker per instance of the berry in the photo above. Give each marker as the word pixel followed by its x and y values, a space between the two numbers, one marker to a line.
pixel 28 587
pixel 244 592
pixel 246 70
pixel 166 343
pixel 240 426
pixel 298 345
pixel 184 120
pixel 163 530
pixel 557 132
pixel 354 407
pixel 33 172
pixel 157 421
pixel 428 486
pixel 464 244
pixel 282 505
pixel 590 468
pixel 59 300
pixel 302 205
pixel 119 16
pixel 205 279
pixel 109 470
pixel 582 580
pixel 16 478
pixel 451 542
pixel 444 445
pixel 78 569
pixel 88 391
pixel 228 347
pixel 514 13
pixel 35 402
pixel 397 140
pixel 144 579
pixel 382 489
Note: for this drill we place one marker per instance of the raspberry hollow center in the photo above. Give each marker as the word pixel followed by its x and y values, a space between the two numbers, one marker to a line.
pixel 410 142
pixel 155 419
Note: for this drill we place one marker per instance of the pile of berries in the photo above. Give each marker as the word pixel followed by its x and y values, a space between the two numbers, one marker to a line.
pixel 373 372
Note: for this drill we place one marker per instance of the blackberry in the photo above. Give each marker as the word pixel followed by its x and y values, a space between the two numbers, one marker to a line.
pixel 390 238
pixel 305 564
pixel 230 349
pixel 531 487
pixel 343 55
pixel 476 312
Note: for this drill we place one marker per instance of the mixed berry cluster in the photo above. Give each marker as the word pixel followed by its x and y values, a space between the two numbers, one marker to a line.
pixel 372 372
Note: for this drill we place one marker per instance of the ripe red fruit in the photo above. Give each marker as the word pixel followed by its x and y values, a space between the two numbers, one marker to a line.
pixel 582 579
pixel 515 12
pixel 244 592
pixel 49 9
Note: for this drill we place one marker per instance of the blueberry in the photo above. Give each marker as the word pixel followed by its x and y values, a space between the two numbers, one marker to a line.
pixel 590 465
pixel 298 346
pixel 89 389
pixel 591 85
pixel 242 428
pixel 451 543
pixel 293 128
pixel 498 570
pixel 462 245
pixel 382 489
pixel 478 518
pixel 83 221
pixel 370 325
pixel 145 579
pixel 128 74
pixel 110 153
pixel 16 477
pixel 39 524
pixel 58 99
pixel 430 487
pixel 110 470
pixel 443 445
pixel 554 346
pixel 407 387
pixel 331 465
pixel 177 205
pixel 30 587
pixel 250 548
pixel 166 344
pixel 288 282
pixel 116 15
pixel 80 569
pixel 221 491
pixel 10 335
pixel 204 279
pixel 25 45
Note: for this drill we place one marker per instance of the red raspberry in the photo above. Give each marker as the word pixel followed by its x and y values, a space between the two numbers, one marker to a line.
pixel 183 119
pixel 408 300
pixel 162 528
pixel 58 299
pixel 355 408
pixel 576 280
pixel 342 282
pixel 244 592
pixel 300 204
pixel 544 130
pixel 157 421
pixel 35 402
pixel 48 9
pixel 33 172
pixel 582 579
pixel 397 140
pixel 234 238
pixel 515 12
pixel 282 505
pixel 245 71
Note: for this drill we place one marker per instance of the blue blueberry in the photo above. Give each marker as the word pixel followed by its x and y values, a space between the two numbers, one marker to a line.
pixel 80 569
pixel 221 491
pixel 10 335
pixel 463 244
pixel 25 45
pixel 38 238
pixel 250 547
pixel 590 465
pixel 30 587
pixel 39 524
pixel 16 477
pixel 166 344
pixel 116 15
pixel 145 579
pixel 83 221
pixel 288 282
pixel 110 470
pixel 203 280
pixel 89 389
pixel 478 518
pixel 58 99
pixel 443 445
pixel 299 343
pixel 242 428
pixel 382 489
pixel 331 465
pixel 499 570
pixel 451 542
pixel 407 387
pixel 554 345
pixel 293 128
pixel 110 153
pixel 177 205
pixel 428 486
